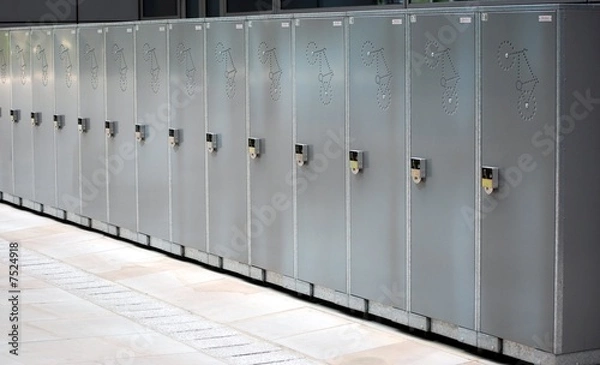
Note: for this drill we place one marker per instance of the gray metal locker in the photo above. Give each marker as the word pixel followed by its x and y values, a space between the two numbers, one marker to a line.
pixel 226 80
pixel 188 188
pixel 151 130
pixel 517 226
pixel 66 108
pixel 321 182
pixel 377 129
pixel 21 107
pixel 270 114
pixel 6 145
pixel 42 115
pixel 120 125
pixel 90 123
pixel 443 166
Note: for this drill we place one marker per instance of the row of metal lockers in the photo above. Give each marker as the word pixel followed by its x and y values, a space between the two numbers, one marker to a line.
pixel 434 167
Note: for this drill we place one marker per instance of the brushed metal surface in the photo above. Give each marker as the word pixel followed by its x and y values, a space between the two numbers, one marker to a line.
pixel 44 155
pixel 519 99
pixel 153 113
pixel 270 113
pixel 22 100
pixel 6 134
pixel 66 85
pixel 321 186
pixel 378 127
pixel 120 107
pixel 443 132
pixel 186 52
pixel 227 175
pixel 94 183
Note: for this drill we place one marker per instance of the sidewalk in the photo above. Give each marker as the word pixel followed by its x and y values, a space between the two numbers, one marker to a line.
pixel 88 299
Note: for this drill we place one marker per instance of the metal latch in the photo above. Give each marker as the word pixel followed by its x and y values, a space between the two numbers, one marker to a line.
pixel 489 179
pixel 418 169
pixel 301 151
pixel 356 161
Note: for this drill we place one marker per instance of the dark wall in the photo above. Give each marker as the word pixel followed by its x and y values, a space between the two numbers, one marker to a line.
pixel 108 10
pixel 36 11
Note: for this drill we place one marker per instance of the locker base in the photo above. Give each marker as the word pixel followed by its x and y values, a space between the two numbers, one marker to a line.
pixel 283 281
pixel 11 199
pixel 330 295
pixel 54 212
pixel 196 255
pixel 538 357
pixel 460 334
pixel 26 203
pixel 388 312
pixel 236 267
pixel 165 246
pixel 100 226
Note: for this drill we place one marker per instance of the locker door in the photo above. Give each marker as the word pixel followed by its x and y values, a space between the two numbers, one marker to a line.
pixel 517 232
pixel 443 134
pixel 321 184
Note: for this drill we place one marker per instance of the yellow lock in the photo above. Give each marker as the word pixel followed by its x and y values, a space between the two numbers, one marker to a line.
pixel 487 183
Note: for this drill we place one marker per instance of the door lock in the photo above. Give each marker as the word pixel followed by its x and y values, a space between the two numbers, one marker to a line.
pixel 140 132
pixel 356 161
pixel 489 179
pixel 301 151
pixel 83 124
pixel 212 141
pixel 15 115
pixel 59 121
pixel 174 137
pixel 418 169
pixel 254 147
pixel 110 128
pixel 36 118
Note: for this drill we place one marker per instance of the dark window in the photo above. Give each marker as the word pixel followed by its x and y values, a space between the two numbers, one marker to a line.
pixel 160 9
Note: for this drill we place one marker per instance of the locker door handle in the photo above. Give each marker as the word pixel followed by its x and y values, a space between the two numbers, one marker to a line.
pixel 489 179
pixel 83 125
pixel 356 158
pixel 212 142
pixel 110 128
pixel 174 137
pixel 301 153
pixel 141 131
pixel 15 115
pixel 36 118
pixel 254 147
pixel 59 121
pixel 418 169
